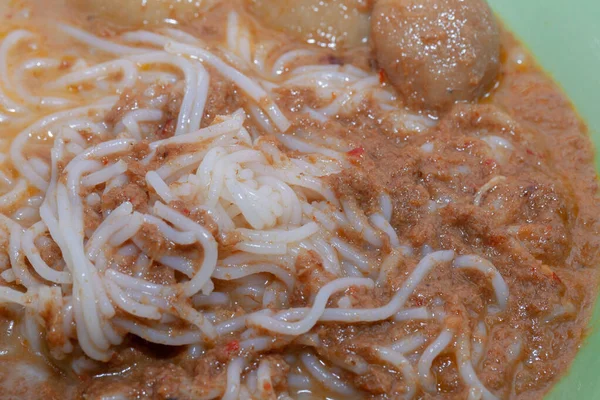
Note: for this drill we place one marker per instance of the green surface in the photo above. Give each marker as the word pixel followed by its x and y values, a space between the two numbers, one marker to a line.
pixel 564 35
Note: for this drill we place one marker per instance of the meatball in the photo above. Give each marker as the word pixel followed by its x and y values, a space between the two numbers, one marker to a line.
pixel 334 23
pixel 436 52
pixel 136 13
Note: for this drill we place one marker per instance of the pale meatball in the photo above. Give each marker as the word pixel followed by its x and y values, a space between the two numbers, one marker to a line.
pixel 436 52
pixel 333 23
pixel 136 13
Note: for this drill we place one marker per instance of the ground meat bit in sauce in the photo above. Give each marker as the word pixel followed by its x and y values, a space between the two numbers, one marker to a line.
pixel 153 240
pixel 198 215
pixel 131 192
pixel 223 99
pixel 139 97
pixel 50 252
pixel 311 277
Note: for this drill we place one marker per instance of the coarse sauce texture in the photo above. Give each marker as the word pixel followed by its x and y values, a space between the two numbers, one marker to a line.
pixel 538 223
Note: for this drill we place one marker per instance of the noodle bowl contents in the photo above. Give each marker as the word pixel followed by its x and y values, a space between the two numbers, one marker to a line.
pixel 206 201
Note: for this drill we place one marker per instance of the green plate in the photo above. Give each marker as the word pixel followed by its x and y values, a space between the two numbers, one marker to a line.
pixel 564 35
